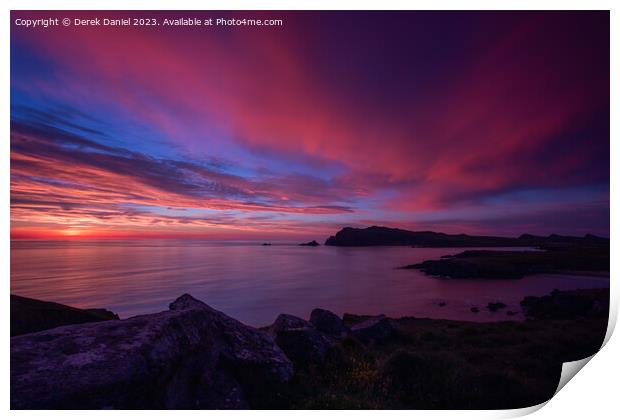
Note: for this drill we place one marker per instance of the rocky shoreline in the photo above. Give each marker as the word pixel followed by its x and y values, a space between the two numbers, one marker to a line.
pixel 193 356
pixel 517 264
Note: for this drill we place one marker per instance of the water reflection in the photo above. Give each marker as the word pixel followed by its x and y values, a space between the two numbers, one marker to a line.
pixel 254 283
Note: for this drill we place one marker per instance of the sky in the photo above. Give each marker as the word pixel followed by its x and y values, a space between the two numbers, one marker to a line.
pixel 458 122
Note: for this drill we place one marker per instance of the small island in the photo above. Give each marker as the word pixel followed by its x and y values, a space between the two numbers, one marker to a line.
pixel 311 243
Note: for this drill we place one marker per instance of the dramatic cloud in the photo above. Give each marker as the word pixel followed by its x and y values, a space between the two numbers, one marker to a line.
pixel 332 119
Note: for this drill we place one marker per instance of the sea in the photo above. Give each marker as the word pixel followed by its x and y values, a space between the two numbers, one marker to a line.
pixel 255 283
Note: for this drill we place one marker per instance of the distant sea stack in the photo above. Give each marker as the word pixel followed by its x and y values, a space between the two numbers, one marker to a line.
pixel 384 236
pixel 311 243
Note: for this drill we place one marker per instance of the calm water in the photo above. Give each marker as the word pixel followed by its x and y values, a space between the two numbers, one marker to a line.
pixel 255 283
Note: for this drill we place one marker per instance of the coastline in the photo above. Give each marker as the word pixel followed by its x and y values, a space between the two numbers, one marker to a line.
pixel 358 361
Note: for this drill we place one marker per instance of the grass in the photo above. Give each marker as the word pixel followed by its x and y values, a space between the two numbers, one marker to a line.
pixel 438 364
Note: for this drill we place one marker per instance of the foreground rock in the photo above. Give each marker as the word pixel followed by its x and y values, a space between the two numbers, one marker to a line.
pixel 574 304
pixel 328 322
pixel 190 356
pixel 376 329
pixel 194 357
pixel 32 315
pixel 300 341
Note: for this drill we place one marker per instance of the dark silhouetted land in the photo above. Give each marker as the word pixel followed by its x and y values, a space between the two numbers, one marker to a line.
pixel 384 236
pixel 31 315
pixel 516 264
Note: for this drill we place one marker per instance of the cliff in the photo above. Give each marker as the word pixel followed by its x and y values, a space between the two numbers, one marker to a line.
pixel 384 236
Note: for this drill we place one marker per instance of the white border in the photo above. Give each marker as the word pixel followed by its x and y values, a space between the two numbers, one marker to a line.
pixel 593 394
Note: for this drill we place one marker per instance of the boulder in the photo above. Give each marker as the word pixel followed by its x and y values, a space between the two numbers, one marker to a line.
pixel 375 329
pixel 189 357
pixel 300 341
pixel 574 304
pixel 285 322
pixel 187 302
pixel 328 322
pixel 495 306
